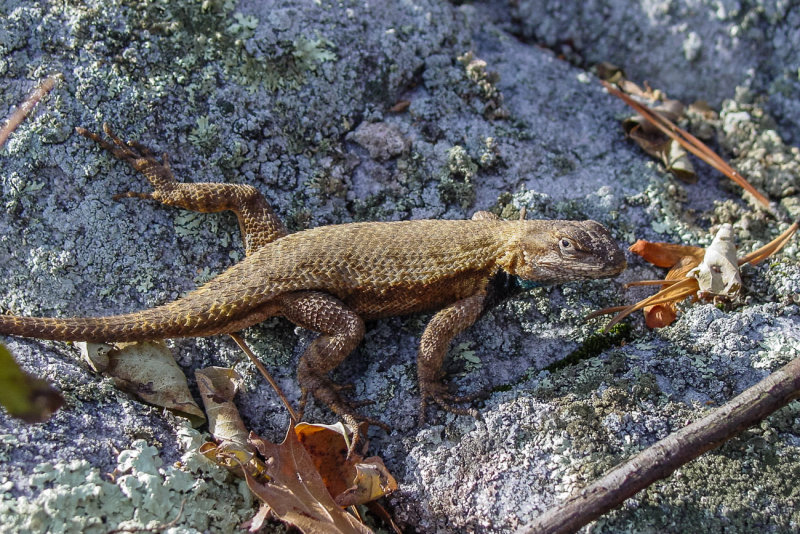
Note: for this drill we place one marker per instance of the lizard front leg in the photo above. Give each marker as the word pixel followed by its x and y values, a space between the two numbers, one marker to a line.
pixel 257 221
pixel 433 346
pixel 341 331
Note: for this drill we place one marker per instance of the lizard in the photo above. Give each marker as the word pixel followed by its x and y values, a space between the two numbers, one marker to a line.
pixel 331 279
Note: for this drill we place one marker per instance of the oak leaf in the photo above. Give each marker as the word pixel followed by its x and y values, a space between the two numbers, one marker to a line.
pixel 296 493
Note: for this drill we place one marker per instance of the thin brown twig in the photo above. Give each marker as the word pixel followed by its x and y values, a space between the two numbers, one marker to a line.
pixel 263 370
pixel 664 283
pixel 677 291
pixel 690 143
pixel 662 459
pixel 770 248
pixel 27 106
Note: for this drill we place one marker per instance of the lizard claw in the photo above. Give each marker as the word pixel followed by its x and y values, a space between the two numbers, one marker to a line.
pixel 328 392
pixel 437 393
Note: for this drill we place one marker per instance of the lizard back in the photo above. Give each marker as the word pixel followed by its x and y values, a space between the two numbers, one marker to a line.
pixel 377 269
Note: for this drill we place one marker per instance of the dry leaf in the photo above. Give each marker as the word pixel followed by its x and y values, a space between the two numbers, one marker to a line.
pixel 296 492
pixel 718 273
pixel 687 141
pixel 148 371
pixel 24 396
pixel 659 145
pixel 218 386
pixel 351 480
pixel 664 254
pixel 699 274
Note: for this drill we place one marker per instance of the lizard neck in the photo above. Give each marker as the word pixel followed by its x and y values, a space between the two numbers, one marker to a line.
pixel 523 242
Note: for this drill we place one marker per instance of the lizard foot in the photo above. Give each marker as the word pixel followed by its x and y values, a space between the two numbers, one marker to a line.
pixel 437 393
pixel 142 159
pixel 328 392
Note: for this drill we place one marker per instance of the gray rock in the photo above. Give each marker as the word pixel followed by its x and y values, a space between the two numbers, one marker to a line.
pixel 266 93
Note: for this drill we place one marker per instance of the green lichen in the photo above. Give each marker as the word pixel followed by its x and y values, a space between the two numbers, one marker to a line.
pixel 75 497
pixel 464 351
pixel 205 135
pixel 594 345
pixel 484 85
pixel 455 186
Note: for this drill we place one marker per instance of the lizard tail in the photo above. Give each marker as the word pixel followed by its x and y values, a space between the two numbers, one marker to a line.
pixel 128 327
pixel 186 317
pixel 224 305
pixel 141 326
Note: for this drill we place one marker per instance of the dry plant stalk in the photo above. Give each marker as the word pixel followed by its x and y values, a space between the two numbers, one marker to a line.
pixel 24 110
pixel 690 143
pixel 662 459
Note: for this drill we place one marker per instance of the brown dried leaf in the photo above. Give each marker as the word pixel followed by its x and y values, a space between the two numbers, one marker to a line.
pixel 664 254
pixel 692 144
pixel 24 396
pixel 660 315
pixel 236 458
pixel 701 273
pixel 400 106
pixel 609 72
pixel 218 386
pixel 148 371
pixel 296 492
pixel 656 143
pixel 351 480
pixel 676 160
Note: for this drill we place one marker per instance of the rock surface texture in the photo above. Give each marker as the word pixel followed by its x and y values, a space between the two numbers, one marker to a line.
pixel 305 101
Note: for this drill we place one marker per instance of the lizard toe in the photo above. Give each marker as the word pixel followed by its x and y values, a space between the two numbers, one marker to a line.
pixel 437 393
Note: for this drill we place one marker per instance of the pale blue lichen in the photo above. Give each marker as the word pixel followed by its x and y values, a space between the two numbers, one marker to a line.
pixel 141 493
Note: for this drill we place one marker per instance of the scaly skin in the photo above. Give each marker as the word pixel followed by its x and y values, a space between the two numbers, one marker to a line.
pixel 330 279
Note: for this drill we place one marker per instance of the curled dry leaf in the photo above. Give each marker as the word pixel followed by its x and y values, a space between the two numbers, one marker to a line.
pixel 659 145
pixel 148 371
pixel 351 480
pixel 218 387
pixel 24 396
pixel 296 492
pixel 695 273
pixel 718 273
pixel 294 480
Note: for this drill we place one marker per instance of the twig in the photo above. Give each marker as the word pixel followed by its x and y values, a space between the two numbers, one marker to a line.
pixel 690 143
pixel 19 115
pixel 770 248
pixel 263 370
pixel 660 460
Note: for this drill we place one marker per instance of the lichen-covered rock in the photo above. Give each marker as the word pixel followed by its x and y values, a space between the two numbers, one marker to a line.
pixel 269 94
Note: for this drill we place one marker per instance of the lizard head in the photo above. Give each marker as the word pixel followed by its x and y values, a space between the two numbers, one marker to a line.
pixel 561 251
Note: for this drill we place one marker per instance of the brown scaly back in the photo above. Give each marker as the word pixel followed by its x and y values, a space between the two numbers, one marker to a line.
pixel 355 262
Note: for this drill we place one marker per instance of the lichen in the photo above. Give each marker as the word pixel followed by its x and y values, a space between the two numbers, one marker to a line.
pixel 140 493
pixel 456 184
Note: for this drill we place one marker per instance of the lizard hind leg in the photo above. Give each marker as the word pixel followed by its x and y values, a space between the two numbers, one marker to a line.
pixel 341 330
pixel 257 221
